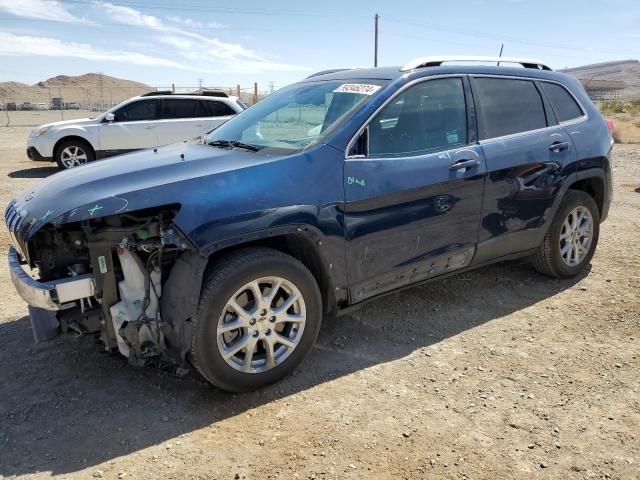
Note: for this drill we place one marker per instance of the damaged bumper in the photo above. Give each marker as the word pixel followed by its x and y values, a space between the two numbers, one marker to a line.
pixel 48 295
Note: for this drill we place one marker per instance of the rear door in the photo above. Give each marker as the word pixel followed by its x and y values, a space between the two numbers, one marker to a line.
pixel 134 127
pixel 528 155
pixel 179 120
pixel 214 113
pixel 413 189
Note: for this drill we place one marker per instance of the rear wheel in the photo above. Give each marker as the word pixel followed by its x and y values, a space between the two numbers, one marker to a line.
pixel 73 153
pixel 572 237
pixel 258 317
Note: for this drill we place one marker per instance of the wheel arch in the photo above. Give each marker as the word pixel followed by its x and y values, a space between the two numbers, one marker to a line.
pixel 594 186
pixel 182 288
pixel 67 138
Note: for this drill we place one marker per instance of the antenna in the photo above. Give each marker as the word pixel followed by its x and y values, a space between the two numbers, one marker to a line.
pixel 500 56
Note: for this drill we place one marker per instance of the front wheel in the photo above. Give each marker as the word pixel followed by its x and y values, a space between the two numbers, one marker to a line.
pixel 73 153
pixel 258 317
pixel 572 237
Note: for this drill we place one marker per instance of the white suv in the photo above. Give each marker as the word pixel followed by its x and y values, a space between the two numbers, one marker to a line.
pixel 153 119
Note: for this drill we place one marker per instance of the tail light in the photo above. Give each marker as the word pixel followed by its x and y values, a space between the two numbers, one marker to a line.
pixel 610 125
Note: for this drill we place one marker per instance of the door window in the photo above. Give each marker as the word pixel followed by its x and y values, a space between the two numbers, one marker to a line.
pixel 138 111
pixel 179 108
pixel 563 103
pixel 509 106
pixel 213 108
pixel 427 117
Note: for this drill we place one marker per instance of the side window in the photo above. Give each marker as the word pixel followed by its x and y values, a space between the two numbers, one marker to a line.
pixel 138 111
pixel 563 103
pixel 213 108
pixel 427 117
pixel 509 106
pixel 179 108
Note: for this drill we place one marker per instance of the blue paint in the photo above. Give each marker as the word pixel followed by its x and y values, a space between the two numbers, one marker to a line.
pixel 409 214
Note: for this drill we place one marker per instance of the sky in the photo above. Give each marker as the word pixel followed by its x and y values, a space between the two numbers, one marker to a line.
pixel 221 44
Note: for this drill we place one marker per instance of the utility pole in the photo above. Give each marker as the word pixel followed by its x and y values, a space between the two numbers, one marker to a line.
pixel 200 82
pixel 272 86
pixel 375 47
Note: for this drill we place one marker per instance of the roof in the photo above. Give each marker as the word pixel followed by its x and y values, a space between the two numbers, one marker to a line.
pixel 392 73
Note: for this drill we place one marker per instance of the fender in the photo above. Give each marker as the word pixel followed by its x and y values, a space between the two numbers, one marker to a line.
pixel 329 252
pixel 181 290
pixel 570 180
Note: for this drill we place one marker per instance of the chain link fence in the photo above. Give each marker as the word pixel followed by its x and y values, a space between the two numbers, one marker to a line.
pixel 36 105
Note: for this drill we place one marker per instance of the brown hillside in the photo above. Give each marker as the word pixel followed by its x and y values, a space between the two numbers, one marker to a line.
pixel 84 89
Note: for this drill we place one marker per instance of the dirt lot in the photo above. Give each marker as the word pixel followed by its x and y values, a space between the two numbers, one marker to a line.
pixel 499 373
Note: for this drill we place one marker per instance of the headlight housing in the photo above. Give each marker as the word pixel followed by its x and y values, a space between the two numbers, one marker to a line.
pixel 38 132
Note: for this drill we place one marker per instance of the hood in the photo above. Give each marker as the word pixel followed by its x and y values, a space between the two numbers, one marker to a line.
pixel 143 179
pixel 76 121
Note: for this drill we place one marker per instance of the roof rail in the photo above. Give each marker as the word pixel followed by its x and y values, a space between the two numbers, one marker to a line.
pixel 204 93
pixel 423 62
pixel 156 92
pixel 325 72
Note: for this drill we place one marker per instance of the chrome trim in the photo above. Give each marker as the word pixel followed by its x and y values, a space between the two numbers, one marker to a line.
pixel 422 62
pixel 48 295
pixel 386 102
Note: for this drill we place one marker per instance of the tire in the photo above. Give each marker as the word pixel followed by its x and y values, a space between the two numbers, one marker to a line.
pixel 550 258
pixel 73 153
pixel 223 283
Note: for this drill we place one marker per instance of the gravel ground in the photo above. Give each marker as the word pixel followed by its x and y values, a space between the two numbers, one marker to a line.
pixel 498 373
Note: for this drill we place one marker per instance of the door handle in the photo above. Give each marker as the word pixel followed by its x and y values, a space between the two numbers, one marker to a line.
pixel 559 146
pixel 149 127
pixel 200 125
pixel 464 164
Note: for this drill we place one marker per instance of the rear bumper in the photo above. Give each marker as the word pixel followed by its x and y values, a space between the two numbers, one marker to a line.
pixel 48 295
pixel 34 154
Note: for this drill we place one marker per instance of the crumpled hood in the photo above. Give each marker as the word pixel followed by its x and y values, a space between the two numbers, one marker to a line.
pixel 124 183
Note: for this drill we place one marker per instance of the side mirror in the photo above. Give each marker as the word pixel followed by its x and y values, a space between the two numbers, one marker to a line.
pixel 109 117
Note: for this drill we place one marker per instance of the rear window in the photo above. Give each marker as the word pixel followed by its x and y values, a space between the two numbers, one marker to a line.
pixel 179 108
pixel 509 106
pixel 213 108
pixel 563 103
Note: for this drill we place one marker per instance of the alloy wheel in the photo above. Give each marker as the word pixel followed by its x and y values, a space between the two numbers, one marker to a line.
pixel 261 324
pixel 73 156
pixel 576 236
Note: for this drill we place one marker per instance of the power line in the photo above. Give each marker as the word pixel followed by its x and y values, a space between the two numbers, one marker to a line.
pixel 223 10
pixel 501 38
pixel 183 27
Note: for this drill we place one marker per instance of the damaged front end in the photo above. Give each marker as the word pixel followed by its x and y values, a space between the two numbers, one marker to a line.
pixel 132 277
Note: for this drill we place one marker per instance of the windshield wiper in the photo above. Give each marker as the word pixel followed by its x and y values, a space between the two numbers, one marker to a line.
pixel 233 144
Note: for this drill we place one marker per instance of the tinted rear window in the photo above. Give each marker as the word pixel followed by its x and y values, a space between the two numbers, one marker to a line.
pixel 179 108
pixel 563 103
pixel 213 108
pixel 509 106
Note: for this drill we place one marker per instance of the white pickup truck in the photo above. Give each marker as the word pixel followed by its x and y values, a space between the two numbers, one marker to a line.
pixel 147 121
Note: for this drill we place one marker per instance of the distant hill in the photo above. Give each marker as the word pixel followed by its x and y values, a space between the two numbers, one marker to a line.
pixel 627 71
pixel 85 89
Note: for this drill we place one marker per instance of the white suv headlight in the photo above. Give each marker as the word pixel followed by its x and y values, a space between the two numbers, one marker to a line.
pixel 38 132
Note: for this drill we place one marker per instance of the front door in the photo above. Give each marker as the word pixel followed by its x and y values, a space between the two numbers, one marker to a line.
pixel 414 191
pixel 135 126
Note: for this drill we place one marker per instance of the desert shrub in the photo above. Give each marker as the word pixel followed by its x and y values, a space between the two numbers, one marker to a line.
pixel 612 107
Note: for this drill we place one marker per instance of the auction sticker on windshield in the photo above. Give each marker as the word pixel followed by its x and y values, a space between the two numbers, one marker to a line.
pixel 361 88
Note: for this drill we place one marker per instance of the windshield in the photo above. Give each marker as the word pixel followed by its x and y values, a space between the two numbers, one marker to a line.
pixel 296 116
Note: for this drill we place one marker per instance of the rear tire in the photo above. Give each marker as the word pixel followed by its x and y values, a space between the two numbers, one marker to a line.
pixel 572 237
pixel 73 153
pixel 244 340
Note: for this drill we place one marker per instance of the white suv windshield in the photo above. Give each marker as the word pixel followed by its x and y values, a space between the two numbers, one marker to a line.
pixel 296 116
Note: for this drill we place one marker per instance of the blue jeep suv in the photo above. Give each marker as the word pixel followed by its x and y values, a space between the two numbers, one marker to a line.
pixel 226 253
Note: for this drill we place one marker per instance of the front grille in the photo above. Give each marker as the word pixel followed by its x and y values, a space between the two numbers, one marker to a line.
pixel 14 220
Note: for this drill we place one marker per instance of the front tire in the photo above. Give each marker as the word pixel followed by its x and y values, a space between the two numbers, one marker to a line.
pixel 572 237
pixel 259 315
pixel 73 153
